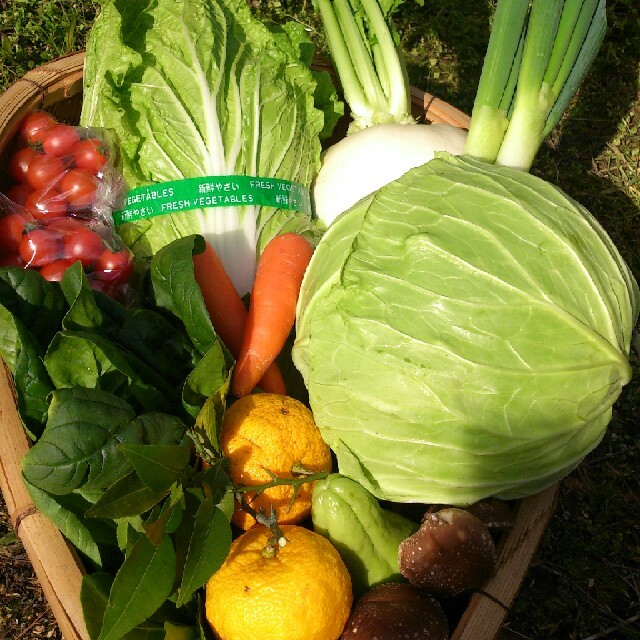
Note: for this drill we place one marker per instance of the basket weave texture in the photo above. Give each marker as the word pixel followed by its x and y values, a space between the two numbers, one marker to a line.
pixel 57 87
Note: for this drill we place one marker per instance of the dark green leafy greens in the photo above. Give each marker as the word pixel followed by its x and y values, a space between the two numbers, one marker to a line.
pixel 123 394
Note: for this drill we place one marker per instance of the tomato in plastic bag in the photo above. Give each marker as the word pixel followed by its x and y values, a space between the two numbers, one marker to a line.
pixel 58 209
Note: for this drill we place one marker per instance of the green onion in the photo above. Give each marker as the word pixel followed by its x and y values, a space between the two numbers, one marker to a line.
pixel 538 54
pixel 494 96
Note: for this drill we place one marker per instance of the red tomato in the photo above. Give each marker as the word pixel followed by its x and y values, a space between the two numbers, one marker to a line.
pixel 12 260
pixel 85 245
pixel 90 154
pixel 19 193
pixel 54 271
pixel 20 162
pixel 79 187
pixel 11 229
pixel 34 125
pixel 114 266
pixel 65 225
pixel 40 246
pixel 45 171
pixel 60 140
pixel 46 203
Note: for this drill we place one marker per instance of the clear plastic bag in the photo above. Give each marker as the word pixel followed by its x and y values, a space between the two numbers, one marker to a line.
pixel 58 207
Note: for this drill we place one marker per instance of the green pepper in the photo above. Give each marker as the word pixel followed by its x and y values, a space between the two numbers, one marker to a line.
pixel 366 535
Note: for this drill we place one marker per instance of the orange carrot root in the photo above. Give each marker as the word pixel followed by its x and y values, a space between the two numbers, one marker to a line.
pixel 227 311
pixel 272 308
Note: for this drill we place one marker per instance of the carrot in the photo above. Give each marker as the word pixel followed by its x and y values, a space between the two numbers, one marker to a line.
pixel 272 308
pixel 227 311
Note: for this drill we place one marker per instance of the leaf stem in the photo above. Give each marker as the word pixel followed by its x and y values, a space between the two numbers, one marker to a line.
pixel 293 482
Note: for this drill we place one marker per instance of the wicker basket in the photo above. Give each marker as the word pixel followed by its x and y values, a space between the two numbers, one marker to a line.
pixel 57 87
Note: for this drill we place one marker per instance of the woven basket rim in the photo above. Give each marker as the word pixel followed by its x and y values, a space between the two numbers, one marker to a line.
pixel 55 562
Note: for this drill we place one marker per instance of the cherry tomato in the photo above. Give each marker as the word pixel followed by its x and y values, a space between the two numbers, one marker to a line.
pixel 54 271
pixel 114 266
pixel 11 229
pixel 46 203
pixel 34 125
pixel 45 171
pixel 60 140
pixel 11 260
pixel 90 154
pixel 85 245
pixel 40 246
pixel 79 187
pixel 19 193
pixel 65 225
pixel 20 162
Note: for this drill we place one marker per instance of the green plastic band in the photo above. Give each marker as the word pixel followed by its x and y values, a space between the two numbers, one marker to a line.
pixel 212 191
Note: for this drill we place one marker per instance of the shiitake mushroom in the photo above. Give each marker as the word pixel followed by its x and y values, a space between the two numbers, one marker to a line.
pixel 452 552
pixel 496 514
pixel 396 611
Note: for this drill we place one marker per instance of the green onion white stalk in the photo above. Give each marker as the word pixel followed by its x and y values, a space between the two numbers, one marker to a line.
pixel 539 52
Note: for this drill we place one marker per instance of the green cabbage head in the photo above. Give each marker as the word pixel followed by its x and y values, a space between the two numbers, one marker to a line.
pixel 464 332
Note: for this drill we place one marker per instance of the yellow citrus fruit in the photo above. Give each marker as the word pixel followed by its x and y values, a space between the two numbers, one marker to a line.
pixel 301 593
pixel 270 432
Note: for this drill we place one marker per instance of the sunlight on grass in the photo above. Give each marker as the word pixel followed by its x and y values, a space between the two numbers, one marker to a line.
pixel 35 31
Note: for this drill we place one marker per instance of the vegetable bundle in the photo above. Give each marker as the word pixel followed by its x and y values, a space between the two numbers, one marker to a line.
pixel 463 331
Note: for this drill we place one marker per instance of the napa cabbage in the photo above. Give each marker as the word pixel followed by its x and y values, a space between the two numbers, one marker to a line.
pixel 194 88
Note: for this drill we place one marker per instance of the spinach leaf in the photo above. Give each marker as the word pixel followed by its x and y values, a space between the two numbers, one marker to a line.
pixel 93 538
pixel 84 313
pixel 82 359
pixel 80 444
pixel 175 289
pixel 210 376
pixel 22 354
pixel 38 304
pixel 157 341
pixel 161 428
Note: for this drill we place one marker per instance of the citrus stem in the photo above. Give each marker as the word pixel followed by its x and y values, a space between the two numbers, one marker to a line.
pixel 293 482
pixel 278 540
pixel 260 516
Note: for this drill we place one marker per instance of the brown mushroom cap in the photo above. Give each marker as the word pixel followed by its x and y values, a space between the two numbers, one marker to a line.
pixel 493 513
pixel 396 611
pixel 496 514
pixel 452 552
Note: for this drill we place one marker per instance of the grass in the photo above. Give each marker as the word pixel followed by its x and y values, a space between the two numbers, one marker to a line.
pixel 32 33
pixel 584 583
